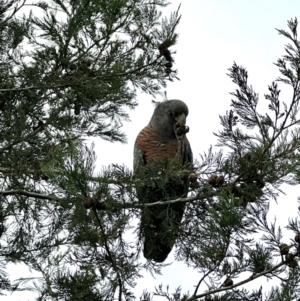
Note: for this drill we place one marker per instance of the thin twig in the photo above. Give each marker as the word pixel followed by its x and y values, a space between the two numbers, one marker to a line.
pixel 125 206
pixel 204 276
pixel 252 277
pixel 31 194
pixel 110 255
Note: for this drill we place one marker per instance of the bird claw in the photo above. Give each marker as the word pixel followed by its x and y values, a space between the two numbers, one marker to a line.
pixel 180 130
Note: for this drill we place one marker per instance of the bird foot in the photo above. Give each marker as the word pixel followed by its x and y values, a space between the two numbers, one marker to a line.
pixel 180 130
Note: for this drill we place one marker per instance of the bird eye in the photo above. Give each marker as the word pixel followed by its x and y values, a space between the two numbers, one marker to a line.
pixel 170 114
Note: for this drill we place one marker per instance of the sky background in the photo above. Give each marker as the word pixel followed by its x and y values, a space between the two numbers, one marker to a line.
pixel 212 35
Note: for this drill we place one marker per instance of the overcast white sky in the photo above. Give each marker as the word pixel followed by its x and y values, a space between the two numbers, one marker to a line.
pixel 212 34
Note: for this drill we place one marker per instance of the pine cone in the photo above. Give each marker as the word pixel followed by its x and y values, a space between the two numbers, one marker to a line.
pixel 220 181
pixel 89 203
pixel 220 255
pixel 284 249
pixel 289 257
pixel 195 185
pixel 297 238
pixel 293 264
pixel 181 130
pixel 228 282
pixel 193 177
pixel 213 180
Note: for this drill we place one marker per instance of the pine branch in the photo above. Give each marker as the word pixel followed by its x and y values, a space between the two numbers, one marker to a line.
pixel 249 279
pixel 31 194
pixel 112 260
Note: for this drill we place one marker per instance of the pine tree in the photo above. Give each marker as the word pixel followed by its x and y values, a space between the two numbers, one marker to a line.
pixel 68 71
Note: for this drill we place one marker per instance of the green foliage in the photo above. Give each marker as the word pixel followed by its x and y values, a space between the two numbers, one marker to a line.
pixel 83 64
pixel 70 70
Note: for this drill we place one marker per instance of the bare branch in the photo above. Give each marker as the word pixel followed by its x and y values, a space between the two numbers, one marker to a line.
pixel 31 194
pixel 252 277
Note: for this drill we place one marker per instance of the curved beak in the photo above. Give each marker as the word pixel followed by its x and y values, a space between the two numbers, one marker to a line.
pixel 180 119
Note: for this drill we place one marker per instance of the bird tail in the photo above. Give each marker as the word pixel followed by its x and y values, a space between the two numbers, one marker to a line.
pixel 160 229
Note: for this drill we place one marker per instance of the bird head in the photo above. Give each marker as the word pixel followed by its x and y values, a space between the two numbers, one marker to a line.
pixel 169 118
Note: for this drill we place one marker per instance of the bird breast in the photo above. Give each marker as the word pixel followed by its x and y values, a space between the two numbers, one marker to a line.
pixel 156 147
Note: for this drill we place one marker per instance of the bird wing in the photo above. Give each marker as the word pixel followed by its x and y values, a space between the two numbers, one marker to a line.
pixel 138 158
